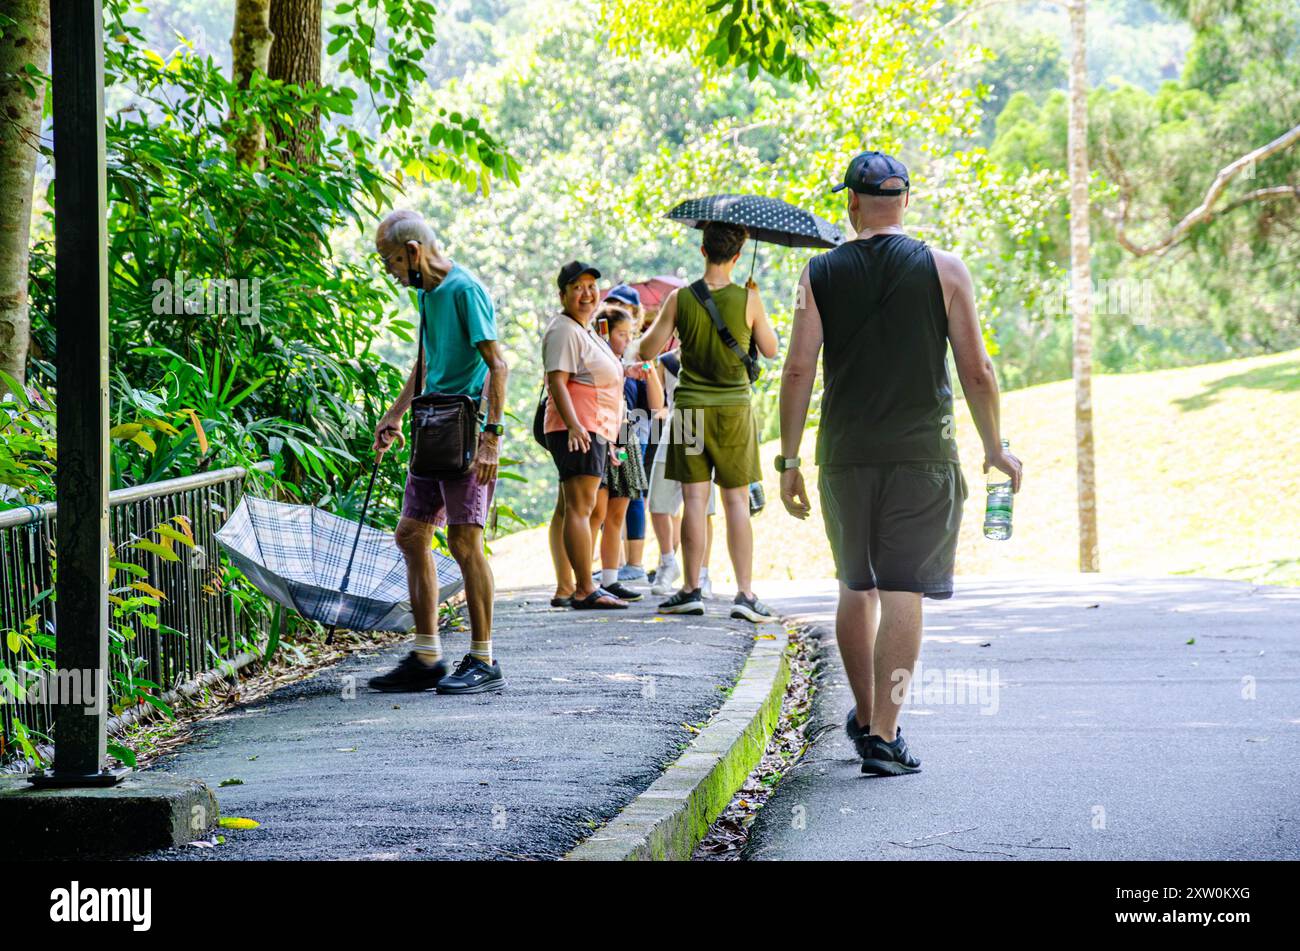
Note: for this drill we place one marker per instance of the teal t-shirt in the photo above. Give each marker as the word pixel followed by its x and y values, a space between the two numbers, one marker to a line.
pixel 458 316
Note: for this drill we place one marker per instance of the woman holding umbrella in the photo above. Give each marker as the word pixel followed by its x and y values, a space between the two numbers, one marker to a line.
pixel 713 398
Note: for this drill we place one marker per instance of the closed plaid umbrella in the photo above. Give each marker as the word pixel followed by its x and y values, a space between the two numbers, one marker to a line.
pixel 299 555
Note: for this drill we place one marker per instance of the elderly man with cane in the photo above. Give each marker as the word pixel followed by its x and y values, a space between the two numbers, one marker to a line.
pixel 459 337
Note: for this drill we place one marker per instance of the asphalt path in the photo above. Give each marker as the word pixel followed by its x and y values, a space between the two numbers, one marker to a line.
pixel 593 712
pixel 1070 717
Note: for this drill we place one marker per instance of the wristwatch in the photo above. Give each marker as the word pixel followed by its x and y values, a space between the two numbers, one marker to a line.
pixel 494 428
pixel 782 463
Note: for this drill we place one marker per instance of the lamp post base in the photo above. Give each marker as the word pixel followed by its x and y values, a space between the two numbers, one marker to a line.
pixel 50 779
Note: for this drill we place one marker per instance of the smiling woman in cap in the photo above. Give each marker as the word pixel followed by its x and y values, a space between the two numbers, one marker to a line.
pixel 585 383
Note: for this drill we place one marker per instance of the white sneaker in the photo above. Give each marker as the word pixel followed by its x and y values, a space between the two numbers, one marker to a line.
pixel 666 576
pixel 706 588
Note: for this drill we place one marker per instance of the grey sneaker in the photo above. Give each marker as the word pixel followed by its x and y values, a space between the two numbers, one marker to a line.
pixel 751 609
pixel 633 573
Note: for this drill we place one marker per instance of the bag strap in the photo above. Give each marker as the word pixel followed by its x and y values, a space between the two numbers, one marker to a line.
pixel 419 348
pixel 705 297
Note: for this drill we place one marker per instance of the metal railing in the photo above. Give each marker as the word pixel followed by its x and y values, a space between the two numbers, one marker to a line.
pixel 199 626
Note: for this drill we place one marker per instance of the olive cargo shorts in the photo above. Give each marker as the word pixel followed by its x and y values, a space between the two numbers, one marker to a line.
pixel 718 442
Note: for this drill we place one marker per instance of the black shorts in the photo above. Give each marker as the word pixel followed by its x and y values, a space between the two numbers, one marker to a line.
pixel 578 463
pixel 894 526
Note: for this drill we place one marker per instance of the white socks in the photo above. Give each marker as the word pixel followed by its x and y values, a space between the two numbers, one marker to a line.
pixel 428 647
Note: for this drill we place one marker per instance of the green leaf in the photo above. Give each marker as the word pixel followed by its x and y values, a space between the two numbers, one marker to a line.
pixel 140 571
pixel 164 552
pixel 123 754
pixel 168 532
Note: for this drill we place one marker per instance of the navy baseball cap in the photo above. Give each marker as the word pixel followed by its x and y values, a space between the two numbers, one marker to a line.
pixel 626 294
pixel 869 169
pixel 574 270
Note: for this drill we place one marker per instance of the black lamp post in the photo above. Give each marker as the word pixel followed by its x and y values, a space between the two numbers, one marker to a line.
pixel 81 317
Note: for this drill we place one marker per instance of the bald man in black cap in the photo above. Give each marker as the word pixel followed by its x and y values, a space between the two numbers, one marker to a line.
pixel 886 306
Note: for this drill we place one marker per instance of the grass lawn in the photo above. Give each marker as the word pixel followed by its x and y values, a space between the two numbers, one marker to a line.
pixel 1198 473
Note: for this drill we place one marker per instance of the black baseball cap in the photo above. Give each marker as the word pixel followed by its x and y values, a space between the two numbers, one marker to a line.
pixel 869 169
pixel 574 270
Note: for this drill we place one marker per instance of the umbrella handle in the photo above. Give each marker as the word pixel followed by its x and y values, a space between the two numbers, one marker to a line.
pixel 347 572
pixel 753 261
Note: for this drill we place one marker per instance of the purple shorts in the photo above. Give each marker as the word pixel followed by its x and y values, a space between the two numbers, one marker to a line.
pixel 463 501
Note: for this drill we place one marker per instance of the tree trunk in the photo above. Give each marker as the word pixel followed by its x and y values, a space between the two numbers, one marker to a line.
pixel 296 59
pixel 250 45
pixel 25 43
pixel 1081 286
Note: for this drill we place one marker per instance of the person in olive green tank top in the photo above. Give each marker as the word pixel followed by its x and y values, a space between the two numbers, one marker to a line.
pixel 712 406
pixel 712 374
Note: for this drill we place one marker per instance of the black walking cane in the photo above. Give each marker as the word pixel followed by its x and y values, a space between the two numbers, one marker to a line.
pixel 347 572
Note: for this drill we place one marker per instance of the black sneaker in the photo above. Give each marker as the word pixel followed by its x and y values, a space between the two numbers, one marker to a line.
pixel 888 759
pixel 410 675
pixel 858 734
pixel 623 592
pixel 473 676
pixel 751 609
pixel 683 602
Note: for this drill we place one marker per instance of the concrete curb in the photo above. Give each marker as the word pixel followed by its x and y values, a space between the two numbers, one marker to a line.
pixel 669 819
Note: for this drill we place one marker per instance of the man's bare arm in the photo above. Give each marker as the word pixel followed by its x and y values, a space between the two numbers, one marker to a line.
pixel 974 368
pixel 487 458
pixel 800 368
pixel 764 335
pixel 498 374
pixel 796 392
pixel 389 426
pixel 658 333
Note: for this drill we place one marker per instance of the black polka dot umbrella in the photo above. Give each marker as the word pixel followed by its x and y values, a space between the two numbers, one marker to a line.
pixel 767 219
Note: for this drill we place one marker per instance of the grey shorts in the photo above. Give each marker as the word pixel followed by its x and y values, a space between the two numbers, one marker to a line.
pixel 665 495
pixel 894 526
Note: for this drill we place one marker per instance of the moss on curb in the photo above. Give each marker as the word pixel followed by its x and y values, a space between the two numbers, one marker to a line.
pixel 669 819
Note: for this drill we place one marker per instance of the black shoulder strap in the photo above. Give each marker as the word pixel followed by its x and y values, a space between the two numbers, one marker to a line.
pixel 419 347
pixel 705 297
